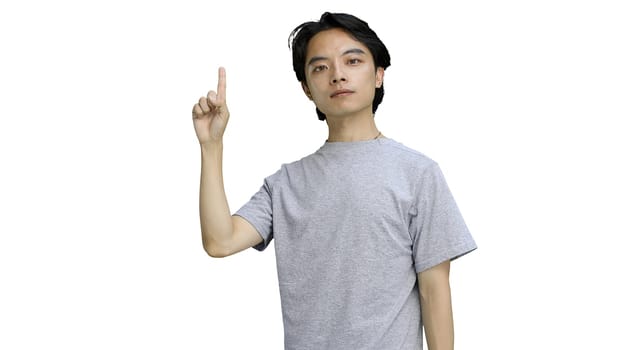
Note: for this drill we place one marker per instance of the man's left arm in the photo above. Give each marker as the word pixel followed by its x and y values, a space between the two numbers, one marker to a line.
pixel 435 297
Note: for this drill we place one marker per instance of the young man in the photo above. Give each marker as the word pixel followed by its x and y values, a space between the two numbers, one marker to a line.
pixel 364 228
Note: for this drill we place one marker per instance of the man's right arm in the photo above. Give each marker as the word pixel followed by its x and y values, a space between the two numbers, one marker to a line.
pixel 222 233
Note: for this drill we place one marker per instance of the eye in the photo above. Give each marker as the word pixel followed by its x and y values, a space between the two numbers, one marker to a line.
pixel 354 61
pixel 320 68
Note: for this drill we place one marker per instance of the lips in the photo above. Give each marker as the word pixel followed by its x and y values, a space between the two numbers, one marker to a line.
pixel 341 92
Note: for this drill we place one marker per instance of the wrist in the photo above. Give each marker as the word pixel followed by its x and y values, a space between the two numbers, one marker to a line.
pixel 211 145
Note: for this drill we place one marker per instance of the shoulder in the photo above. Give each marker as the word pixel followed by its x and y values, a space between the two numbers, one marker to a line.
pixel 398 152
pixel 287 170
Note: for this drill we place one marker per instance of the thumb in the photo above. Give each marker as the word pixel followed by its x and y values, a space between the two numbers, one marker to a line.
pixel 212 100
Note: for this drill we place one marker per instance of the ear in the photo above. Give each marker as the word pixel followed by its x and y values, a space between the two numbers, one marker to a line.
pixel 379 76
pixel 305 88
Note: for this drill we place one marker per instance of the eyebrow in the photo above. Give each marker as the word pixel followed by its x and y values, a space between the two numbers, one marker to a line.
pixel 347 52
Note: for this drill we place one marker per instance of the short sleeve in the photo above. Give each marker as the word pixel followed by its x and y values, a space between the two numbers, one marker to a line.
pixel 437 227
pixel 258 212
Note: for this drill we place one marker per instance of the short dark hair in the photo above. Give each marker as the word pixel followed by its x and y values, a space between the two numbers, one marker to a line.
pixel 299 40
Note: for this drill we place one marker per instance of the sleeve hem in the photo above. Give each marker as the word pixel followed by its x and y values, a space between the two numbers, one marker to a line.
pixel 263 245
pixel 451 255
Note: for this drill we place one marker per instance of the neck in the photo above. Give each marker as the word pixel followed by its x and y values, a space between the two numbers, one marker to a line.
pixel 350 129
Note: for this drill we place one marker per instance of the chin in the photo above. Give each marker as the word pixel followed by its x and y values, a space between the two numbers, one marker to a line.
pixel 346 112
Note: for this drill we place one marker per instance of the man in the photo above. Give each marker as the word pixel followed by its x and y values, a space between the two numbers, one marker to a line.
pixel 364 228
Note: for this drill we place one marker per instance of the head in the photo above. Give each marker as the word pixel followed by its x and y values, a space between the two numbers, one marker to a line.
pixel 356 28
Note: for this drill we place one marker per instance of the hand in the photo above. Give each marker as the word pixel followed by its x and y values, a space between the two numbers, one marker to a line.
pixel 210 115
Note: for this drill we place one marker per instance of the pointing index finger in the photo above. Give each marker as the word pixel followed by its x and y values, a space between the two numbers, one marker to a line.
pixel 222 84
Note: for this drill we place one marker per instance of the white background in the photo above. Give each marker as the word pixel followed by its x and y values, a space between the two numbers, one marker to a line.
pixel 100 245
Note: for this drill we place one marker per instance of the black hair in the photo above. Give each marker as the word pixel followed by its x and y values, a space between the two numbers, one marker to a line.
pixel 299 40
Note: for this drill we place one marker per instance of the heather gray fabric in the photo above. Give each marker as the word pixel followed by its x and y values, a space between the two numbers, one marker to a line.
pixel 352 224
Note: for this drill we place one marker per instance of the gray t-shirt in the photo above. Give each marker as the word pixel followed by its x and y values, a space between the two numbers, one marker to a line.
pixel 353 223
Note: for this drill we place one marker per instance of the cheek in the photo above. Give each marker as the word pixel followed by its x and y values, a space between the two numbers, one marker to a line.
pixel 371 79
pixel 314 88
pixel 373 84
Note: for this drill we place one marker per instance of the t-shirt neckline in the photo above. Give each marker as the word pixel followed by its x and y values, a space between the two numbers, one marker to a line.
pixel 353 145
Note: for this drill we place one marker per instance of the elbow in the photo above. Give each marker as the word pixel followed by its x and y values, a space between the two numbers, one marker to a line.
pixel 214 250
pixel 214 253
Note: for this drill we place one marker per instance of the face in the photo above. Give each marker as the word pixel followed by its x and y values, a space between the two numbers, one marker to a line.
pixel 340 73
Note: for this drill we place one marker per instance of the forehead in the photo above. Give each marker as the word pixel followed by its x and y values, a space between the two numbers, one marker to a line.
pixel 332 42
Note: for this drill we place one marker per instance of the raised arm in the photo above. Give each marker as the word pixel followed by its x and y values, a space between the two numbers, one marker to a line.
pixel 222 234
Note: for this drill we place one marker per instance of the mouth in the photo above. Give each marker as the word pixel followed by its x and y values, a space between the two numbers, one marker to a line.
pixel 340 93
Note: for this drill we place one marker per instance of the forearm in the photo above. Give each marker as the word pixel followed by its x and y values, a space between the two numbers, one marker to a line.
pixel 215 216
pixel 438 318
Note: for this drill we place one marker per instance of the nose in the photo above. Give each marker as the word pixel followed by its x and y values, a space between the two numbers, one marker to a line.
pixel 338 75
